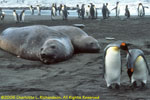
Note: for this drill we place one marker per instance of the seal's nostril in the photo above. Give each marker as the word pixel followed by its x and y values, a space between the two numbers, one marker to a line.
pixel 43 55
pixel 41 49
pixel 53 46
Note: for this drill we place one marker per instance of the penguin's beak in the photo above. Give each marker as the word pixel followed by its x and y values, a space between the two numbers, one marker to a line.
pixel 128 52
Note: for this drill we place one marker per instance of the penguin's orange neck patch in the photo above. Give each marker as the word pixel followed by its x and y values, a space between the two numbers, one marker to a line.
pixel 123 44
pixel 131 69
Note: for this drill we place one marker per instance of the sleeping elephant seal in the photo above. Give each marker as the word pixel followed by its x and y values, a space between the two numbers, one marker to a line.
pixel 36 42
pixel 80 40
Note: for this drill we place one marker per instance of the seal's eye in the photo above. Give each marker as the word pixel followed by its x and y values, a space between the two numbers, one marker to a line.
pixel 41 49
pixel 91 43
pixel 53 46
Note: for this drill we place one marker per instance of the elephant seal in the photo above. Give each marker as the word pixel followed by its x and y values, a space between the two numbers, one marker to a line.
pixel 80 39
pixel 36 42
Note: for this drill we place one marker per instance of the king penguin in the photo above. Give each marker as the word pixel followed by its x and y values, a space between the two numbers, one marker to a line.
pixel 22 16
pixel 38 9
pixel 117 8
pixel 53 11
pixel 16 16
pixel 112 63
pixel 31 9
pixel 2 15
pixel 138 69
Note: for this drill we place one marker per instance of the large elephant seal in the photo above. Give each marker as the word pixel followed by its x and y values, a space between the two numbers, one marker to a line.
pixel 80 40
pixel 36 42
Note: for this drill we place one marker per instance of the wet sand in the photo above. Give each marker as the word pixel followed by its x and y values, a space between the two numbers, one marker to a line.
pixel 81 75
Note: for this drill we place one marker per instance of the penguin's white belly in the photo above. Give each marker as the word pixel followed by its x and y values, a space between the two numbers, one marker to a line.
pixel 112 66
pixel 88 12
pixel 23 15
pixel 61 13
pixel 54 11
pixel 94 11
pixel 141 10
pixel 140 70
pixel 118 10
pixel 15 17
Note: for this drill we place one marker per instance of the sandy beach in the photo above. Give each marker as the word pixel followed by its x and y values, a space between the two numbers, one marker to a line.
pixel 81 75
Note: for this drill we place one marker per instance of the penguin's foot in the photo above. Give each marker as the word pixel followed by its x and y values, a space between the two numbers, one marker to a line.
pixel 134 85
pixel 143 85
pixel 117 86
pixel 109 87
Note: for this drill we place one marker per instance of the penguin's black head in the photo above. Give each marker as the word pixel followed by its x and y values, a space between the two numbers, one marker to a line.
pixel 124 46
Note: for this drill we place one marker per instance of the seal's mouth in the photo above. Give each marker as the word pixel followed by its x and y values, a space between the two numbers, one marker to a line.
pixel 94 50
pixel 48 59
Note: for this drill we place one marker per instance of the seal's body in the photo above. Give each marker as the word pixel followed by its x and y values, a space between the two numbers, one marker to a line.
pixel 80 39
pixel 36 42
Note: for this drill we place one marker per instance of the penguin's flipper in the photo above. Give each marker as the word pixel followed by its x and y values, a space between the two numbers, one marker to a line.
pixel 114 8
pixel 104 61
pixel 146 64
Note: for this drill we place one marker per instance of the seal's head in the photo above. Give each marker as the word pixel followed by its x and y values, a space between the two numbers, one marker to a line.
pixel 88 44
pixel 52 51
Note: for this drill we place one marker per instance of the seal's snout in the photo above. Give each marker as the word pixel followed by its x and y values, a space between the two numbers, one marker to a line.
pixel 95 47
pixel 48 56
pixel 43 55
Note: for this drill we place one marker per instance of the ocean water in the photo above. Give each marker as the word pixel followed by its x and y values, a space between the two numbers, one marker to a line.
pixel 72 13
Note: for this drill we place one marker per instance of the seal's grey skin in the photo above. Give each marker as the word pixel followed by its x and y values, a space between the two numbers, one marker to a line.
pixel 36 42
pixel 112 63
pixel 80 39
pixel 137 62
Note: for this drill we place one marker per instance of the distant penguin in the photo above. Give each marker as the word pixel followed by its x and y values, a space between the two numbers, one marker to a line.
pixel 38 9
pixel 87 11
pixel 32 10
pixel 78 11
pixel 104 11
pixel 117 8
pixel 16 16
pixel 22 16
pixel 2 15
pixel 112 63
pixel 127 12
pixel 92 11
pixel 107 11
pixel 65 13
pixel 60 9
pixel 141 10
pixel 95 12
pixel 138 69
pixel 82 11
pixel 53 11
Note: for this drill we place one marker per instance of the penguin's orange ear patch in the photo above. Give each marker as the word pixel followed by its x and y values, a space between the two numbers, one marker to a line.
pixel 123 44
